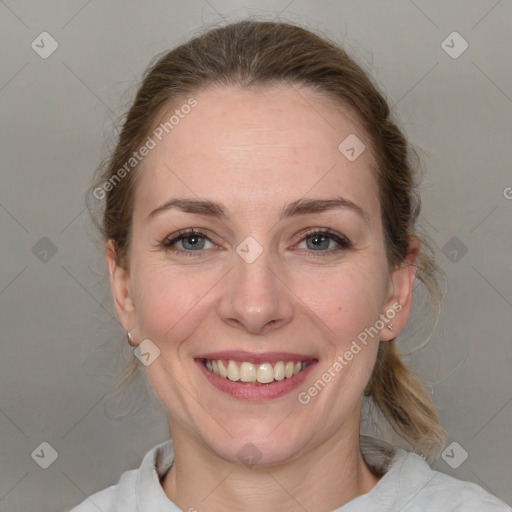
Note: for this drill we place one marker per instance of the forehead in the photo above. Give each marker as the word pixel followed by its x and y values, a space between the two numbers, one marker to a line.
pixel 259 147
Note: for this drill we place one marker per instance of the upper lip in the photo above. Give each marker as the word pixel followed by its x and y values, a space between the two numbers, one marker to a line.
pixel 256 358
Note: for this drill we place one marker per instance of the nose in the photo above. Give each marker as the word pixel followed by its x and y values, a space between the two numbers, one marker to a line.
pixel 255 298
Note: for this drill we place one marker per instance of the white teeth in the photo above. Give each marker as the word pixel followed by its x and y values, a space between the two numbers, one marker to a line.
pixel 247 372
pixel 263 373
pixel 223 371
pixel 233 373
pixel 279 370
pixel 289 369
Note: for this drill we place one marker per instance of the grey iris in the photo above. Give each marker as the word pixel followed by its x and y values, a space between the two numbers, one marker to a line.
pixel 318 242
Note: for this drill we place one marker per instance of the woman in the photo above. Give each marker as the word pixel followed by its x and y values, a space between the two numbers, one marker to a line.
pixel 259 222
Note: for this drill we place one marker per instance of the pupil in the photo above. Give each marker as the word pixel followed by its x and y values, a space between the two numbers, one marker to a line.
pixel 319 242
pixel 193 242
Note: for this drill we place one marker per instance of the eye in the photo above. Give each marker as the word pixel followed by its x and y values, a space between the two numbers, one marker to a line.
pixel 187 241
pixel 323 240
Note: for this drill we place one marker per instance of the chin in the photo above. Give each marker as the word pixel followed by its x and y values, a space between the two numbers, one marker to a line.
pixel 257 445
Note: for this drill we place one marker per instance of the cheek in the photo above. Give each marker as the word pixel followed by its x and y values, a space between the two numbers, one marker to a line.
pixel 347 301
pixel 170 303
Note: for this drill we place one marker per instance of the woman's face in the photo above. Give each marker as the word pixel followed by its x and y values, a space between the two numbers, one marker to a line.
pixel 286 266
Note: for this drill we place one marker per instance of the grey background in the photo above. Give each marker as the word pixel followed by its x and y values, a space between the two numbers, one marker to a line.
pixel 60 342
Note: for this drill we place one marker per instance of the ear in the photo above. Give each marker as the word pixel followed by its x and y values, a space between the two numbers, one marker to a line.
pixel 400 292
pixel 120 284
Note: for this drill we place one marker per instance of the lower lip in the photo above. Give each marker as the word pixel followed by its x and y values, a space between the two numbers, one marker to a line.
pixel 260 392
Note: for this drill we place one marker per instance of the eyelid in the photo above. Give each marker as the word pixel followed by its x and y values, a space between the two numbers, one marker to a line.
pixel 343 243
pixel 339 238
pixel 170 240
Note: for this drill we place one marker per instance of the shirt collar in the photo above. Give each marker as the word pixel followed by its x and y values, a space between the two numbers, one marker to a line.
pixel 150 496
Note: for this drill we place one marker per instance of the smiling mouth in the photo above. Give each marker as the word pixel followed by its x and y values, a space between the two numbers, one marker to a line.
pixel 245 372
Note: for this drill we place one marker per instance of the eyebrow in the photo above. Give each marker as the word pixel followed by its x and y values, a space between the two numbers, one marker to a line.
pixel 299 207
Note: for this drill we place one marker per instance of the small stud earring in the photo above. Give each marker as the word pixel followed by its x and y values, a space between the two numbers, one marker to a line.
pixel 390 327
pixel 130 338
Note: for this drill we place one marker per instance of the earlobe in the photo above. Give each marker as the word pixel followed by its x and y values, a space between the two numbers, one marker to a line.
pixel 121 287
pixel 398 305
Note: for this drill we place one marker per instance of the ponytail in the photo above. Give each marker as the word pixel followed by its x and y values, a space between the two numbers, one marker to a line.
pixel 405 403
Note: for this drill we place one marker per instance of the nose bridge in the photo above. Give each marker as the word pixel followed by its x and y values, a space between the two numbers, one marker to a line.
pixel 255 298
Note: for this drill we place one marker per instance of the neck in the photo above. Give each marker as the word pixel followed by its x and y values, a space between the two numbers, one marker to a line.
pixel 323 479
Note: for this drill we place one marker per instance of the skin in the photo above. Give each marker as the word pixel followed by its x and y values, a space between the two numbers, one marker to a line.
pixel 254 152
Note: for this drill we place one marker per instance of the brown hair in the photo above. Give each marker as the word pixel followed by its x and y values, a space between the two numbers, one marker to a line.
pixel 250 53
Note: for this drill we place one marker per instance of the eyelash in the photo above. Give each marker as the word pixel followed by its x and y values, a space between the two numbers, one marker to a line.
pixel 167 243
pixel 343 242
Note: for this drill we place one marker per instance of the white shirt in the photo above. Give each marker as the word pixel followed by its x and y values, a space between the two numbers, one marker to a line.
pixel 408 484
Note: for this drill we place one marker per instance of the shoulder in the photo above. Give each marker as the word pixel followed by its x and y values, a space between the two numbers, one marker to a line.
pixel 103 500
pixel 409 484
pixel 108 499
pixel 137 485
pixel 444 492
